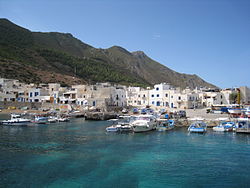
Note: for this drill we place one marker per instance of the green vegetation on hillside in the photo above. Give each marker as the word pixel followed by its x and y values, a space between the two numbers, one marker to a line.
pixel 60 55
pixel 89 69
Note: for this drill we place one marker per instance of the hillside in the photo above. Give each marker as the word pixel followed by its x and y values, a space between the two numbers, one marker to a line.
pixel 59 57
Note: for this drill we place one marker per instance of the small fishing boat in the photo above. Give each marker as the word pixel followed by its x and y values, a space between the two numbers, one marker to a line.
pixel 243 125
pixel 113 128
pixel 235 110
pixel 164 124
pixel 198 127
pixel 62 119
pixel 124 111
pixel 16 120
pixel 135 111
pixel 52 119
pixel 40 120
pixel 247 112
pixel 224 126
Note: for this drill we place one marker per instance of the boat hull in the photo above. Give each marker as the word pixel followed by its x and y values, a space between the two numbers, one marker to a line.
pixel 164 128
pixel 24 123
pixel 222 129
pixel 235 111
pixel 197 130
pixel 141 129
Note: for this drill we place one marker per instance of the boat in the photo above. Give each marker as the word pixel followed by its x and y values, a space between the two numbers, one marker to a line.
pixel 16 120
pixel 40 120
pixel 52 119
pixel 62 119
pixel 235 110
pixel 123 124
pixel 247 112
pixel 113 128
pixel 135 111
pixel 164 124
pixel 242 125
pixel 198 127
pixel 224 126
pixel 124 111
pixel 143 123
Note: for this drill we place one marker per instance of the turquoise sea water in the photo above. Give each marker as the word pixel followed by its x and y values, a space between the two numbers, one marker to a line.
pixel 81 154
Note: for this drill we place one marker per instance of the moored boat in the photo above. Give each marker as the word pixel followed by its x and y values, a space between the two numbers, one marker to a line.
pixel 224 126
pixel 40 120
pixel 120 125
pixel 144 123
pixel 243 125
pixel 16 120
pixel 164 124
pixel 62 119
pixel 113 128
pixel 198 127
pixel 52 119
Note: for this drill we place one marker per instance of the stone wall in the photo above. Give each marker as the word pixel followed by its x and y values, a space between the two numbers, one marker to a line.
pixel 19 105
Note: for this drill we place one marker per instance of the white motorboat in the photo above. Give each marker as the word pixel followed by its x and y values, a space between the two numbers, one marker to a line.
pixel 144 123
pixel 62 119
pixel 235 111
pixel 40 120
pixel 123 124
pixel 224 126
pixel 52 119
pixel 198 127
pixel 16 120
pixel 113 128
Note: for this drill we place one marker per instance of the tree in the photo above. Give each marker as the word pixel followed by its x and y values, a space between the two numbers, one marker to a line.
pixel 233 98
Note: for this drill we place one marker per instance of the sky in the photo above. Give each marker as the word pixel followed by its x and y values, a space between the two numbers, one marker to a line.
pixel 209 38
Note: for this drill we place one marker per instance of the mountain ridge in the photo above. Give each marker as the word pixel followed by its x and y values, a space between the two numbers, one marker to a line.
pixel 63 54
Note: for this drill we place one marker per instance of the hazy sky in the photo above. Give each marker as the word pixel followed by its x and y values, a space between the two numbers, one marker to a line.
pixel 210 38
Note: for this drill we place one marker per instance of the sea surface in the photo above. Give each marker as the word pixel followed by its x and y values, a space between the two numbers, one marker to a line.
pixel 81 154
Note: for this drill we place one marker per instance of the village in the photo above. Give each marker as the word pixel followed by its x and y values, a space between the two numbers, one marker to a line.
pixel 107 97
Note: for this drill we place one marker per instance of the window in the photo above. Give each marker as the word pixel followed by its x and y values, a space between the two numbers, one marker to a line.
pixel 157 95
pixel 36 94
pixel 221 96
pixel 179 98
pixel 172 96
pixel 144 95
pixel 152 95
pixel 139 96
pixel 157 89
pixel 30 94
pixel 153 102
pixel 166 95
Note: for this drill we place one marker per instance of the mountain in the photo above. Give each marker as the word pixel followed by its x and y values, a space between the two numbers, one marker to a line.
pixel 60 57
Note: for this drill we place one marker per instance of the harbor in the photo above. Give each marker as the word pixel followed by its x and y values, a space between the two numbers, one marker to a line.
pixel 81 152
